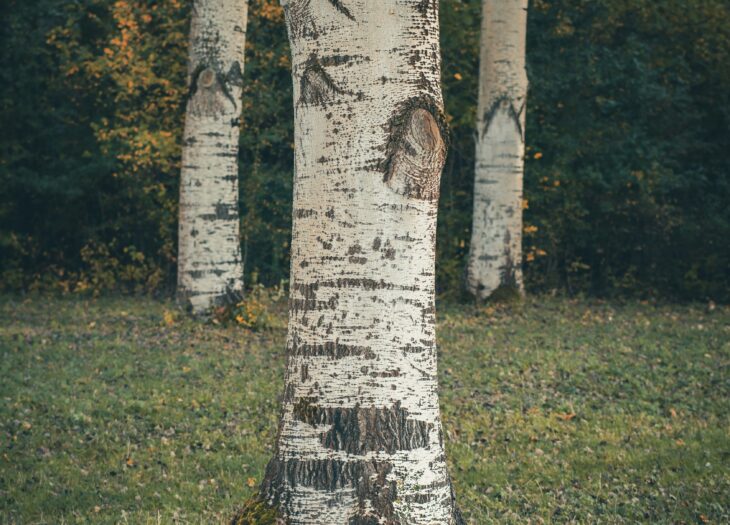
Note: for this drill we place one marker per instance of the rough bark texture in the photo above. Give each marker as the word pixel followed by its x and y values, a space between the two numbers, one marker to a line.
pixel 210 269
pixel 360 438
pixel 495 255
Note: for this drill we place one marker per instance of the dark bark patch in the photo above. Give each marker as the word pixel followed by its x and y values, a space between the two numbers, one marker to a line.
pixel 316 86
pixel 360 430
pixel 509 289
pixel 368 478
pixel 301 213
pixel 299 19
pixel 331 349
pixel 365 284
pixel 505 104
pixel 423 6
pixel 221 212
pixel 234 77
pixel 312 305
pixel 342 9
pixel 416 151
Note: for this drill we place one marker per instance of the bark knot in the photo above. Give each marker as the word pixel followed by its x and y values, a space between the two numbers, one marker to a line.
pixel 210 90
pixel 416 151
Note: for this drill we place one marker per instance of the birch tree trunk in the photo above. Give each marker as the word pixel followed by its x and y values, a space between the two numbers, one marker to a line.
pixel 360 439
pixel 210 269
pixel 495 255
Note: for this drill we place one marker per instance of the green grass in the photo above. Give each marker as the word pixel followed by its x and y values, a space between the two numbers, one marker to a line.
pixel 556 411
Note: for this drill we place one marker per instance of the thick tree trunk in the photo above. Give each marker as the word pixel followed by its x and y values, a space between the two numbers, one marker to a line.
pixel 495 256
pixel 360 438
pixel 210 269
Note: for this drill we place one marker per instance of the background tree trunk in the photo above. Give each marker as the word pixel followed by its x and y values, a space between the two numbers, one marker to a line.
pixel 495 255
pixel 210 269
pixel 360 438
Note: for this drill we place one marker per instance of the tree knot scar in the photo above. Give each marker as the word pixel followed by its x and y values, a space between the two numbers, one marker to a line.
pixel 206 78
pixel 316 86
pixel 210 90
pixel 505 106
pixel 415 153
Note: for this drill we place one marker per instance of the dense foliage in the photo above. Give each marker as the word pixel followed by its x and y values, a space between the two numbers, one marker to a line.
pixel 628 124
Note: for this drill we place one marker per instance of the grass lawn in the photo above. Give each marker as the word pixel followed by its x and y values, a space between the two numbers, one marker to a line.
pixel 121 410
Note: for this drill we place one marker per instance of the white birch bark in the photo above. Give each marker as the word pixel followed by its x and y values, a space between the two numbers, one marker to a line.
pixel 360 439
pixel 210 269
pixel 495 255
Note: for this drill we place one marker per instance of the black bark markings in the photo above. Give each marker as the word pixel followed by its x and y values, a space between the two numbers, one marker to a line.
pixel 416 150
pixel 505 103
pixel 368 478
pixel 222 212
pixel 353 252
pixel 301 213
pixel 299 17
pixel 357 431
pixel 330 349
pixel 342 9
pixel 300 20
pixel 423 6
pixel 316 86
pixel 360 430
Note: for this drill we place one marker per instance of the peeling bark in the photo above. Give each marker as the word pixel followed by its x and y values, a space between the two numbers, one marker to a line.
pixel 495 254
pixel 210 268
pixel 360 440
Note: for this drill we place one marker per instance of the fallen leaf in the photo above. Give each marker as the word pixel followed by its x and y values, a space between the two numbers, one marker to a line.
pixel 565 417
pixel 168 317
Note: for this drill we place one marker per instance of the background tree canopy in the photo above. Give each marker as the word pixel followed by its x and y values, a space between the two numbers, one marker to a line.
pixel 628 133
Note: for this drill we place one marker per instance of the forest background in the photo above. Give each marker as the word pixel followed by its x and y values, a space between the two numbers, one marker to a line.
pixel 627 179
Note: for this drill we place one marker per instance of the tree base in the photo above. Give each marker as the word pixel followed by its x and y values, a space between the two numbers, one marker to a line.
pixel 257 512
pixel 506 294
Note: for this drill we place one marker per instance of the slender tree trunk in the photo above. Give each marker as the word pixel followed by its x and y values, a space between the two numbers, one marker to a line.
pixel 495 256
pixel 360 438
pixel 210 270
